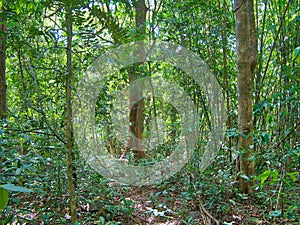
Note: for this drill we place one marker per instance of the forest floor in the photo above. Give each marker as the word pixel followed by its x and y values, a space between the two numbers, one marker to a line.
pixel 172 202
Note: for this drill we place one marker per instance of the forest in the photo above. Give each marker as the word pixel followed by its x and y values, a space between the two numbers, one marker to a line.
pixel 149 112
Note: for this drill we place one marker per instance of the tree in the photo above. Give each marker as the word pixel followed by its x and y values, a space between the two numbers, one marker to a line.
pixel 3 85
pixel 69 138
pixel 136 101
pixel 246 62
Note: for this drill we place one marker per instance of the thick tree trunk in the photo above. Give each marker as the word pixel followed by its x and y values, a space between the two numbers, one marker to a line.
pixel 69 139
pixel 3 85
pixel 136 102
pixel 245 165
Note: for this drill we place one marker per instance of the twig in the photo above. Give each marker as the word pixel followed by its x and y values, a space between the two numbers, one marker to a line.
pixel 35 131
pixel 207 213
pixel 139 218
pixel 288 134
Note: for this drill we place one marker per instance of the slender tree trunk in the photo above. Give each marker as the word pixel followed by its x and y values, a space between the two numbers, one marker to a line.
pixel 245 165
pixel 69 139
pixel 136 102
pixel 23 91
pixel 225 73
pixel 3 85
pixel 253 38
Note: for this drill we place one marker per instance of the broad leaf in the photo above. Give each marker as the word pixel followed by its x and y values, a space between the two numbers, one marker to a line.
pixel 296 54
pixel 262 177
pixel 275 214
pixel 3 198
pixel 12 187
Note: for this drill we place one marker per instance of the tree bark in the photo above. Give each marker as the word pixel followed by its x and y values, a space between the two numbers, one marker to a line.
pixel 223 24
pixel 3 85
pixel 136 101
pixel 253 37
pixel 245 165
pixel 69 139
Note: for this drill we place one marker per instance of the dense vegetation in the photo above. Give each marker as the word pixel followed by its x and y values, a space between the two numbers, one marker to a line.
pixel 46 47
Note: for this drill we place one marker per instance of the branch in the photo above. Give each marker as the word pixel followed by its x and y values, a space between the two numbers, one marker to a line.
pixel 206 212
pixel 55 134
pixel 119 35
pixel 295 129
pixel 272 49
pixel 36 131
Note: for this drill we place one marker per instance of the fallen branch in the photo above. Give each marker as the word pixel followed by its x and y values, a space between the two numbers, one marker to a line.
pixel 201 207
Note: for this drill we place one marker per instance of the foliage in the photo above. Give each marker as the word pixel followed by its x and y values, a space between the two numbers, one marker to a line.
pixel 32 141
pixel 4 193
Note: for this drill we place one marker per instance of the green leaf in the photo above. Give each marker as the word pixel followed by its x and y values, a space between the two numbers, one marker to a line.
pixel 243 196
pixel 274 175
pixel 232 202
pixel 12 187
pixel 245 177
pixel 291 209
pixel 292 175
pixel 263 176
pixel 102 220
pixel 296 54
pixel 3 198
pixel 275 214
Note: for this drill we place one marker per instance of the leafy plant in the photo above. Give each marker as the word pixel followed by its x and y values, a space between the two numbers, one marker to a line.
pixel 5 188
pixel 265 175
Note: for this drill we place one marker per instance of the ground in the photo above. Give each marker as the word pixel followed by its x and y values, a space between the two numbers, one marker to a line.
pixel 180 200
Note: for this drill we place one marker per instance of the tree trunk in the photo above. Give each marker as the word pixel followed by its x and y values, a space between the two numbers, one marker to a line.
pixel 223 24
pixel 253 38
pixel 136 101
pixel 69 139
pixel 3 85
pixel 245 165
